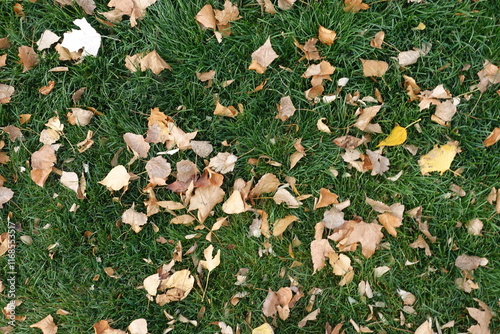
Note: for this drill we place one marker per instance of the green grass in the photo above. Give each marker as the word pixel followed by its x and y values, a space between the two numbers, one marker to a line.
pixel 461 32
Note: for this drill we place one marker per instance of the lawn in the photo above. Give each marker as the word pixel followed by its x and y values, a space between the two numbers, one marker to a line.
pixel 348 221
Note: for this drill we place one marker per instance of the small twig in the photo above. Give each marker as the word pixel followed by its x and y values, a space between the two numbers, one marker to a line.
pixel 206 286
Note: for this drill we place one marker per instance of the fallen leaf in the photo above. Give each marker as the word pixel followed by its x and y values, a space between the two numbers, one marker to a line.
pixel 492 138
pixel 406 58
pixel 46 40
pixel 285 4
pixel 234 204
pixel 380 164
pixel 135 9
pixel 201 148
pixel 353 232
pixel 4 43
pixel 5 195
pixel 374 68
pixel 265 328
pixel 365 117
pixel 267 183
pixel 474 226
pixel 326 36
pixel 223 162
pixel 396 137
pixel 205 76
pixel 263 57
pixel 41 164
pixel 425 328
pixel 179 284
pixel 13 131
pixel 281 224
pixel 79 116
pixel 267 5
pixel 379 271
pixel 151 61
pixel 65 54
pixel 45 90
pixel 116 179
pixel 445 112
pixel 206 17
pixel 377 41
pixel 326 198
pixel 309 49
pixel 88 6
pixel 211 262
pixel 87 38
pixel 47 325
pixel 421 243
pixel 286 109
pixel 136 144
pixel 466 262
pixel 482 316
pixel 221 110
pixel 322 126
pixel 412 88
pixel 439 159
pixel 28 57
pixel 3 60
pixel 204 200
pixel 309 317
pixel 489 75
pixel 135 219
pixel 284 196
pixel 24 118
pixel 138 326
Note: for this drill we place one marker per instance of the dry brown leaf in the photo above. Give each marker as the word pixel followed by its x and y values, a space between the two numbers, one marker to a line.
pixel 223 162
pixel 482 316
pixel 45 90
pixel 349 142
pixel 138 326
pixel 326 198
pixel 5 195
pixel 47 325
pixel 221 110
pixel 374 68
pixel 4 43
pixel 320 249
pixel 46 40
pixel 353 232
pixel 439 159
pixel 116 179
pixel 281 224
pixel 229 13
pixel 284 196
pixel 137 144
pixel 444 112
pixel 267 183
pixel 286 4
pixel 3 60
pixel 334 218
pixel 206 17
pixel 28 57
pixel 474 226
pixel 326 36
pixel 489 75
pixel 265 328
pixel 309 317
pixel 286 109
pixel 86 143
pixel 234 204
pixel 204 200
pixel 154 62
pixel 412 89
pixel 309 49
pixel 88 6
pixel 492 138
pixel 211 262
pixel 135 219
pixel 158 170
pixel 380 164
pixel 406 58
pixel 263 57
pixel 466 262
pixel 366 116
pixel 420 243
pixel 205 76
pixel 377 41
pixel 201 148
pixel 425 328
pixel 79 116
pixel 135 9
pixel 13 131
pixel 41 164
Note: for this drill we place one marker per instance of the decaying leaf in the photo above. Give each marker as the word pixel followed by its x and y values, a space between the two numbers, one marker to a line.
pixel 263 57
pixel 79 116
pixel 489 75
pixel 326 36
pixel 47 325
pixel 116 179
pixel 281 224
pixel 377 41
pixel 492 138
pixel 135 219
pixel 286 109
pixel 466 262
pixel 482 316
pixel 46 40
pixel 41 164
pixel 6 92
pixel 309 317
pixel 5 195
pixel 211 262
pixel 223 162
pixel 28 57
pixel 374 68
pixel 137 144
pixel 151 61
pixel 134 9
pixel 353 232
pixel 204 200
pixel 439 159
pixel 138 326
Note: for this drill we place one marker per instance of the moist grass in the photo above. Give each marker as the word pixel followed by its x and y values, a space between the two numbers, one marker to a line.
pixel 71 275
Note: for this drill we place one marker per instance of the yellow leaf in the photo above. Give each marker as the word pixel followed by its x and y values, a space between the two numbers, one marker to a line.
pixel 396 137
pixel 439 158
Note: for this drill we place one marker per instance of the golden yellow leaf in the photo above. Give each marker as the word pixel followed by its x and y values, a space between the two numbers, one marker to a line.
pixel 396 137
pixel 439 158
